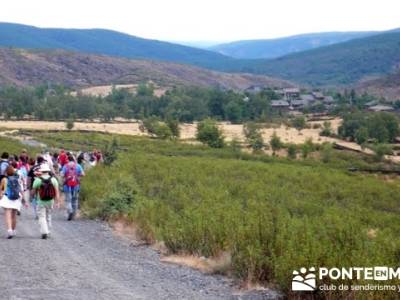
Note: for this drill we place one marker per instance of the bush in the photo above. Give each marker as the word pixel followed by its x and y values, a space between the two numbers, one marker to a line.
pixel 69 124
pixel 299 123
pixel 380 151
pixel 292 151
pixel 110 152
pixel 275 142
pixel 252 132
pixel 208 133
pixel 307 148
pixel 120 199
pixel 173 125
pixel 160 129
pixel 326 152
pixel 326 129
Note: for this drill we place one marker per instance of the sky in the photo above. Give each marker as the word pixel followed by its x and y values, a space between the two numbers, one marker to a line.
pixel 207 20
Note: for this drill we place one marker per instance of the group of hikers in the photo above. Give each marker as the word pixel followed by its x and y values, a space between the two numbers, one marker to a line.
pixel 39 182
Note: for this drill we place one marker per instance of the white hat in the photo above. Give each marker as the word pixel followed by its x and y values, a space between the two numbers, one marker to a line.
pixel 44 168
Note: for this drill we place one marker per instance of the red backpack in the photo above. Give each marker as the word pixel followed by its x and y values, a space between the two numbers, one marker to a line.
pixel 47 190
pixel 71 175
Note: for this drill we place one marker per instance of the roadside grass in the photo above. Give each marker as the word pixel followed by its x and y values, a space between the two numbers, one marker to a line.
pixel 272 215
pixel 14 147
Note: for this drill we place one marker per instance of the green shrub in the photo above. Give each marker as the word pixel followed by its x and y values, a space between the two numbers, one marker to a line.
pixel 292 151
pixel 252 132
pixel 299 123
pixel 69 124
pixel 209 133
pixel 275 143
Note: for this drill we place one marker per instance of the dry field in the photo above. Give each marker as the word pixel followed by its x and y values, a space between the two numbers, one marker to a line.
pixel 188 131
pixel 104 90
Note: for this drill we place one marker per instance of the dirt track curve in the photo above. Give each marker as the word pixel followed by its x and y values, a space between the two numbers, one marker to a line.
pixel 84 260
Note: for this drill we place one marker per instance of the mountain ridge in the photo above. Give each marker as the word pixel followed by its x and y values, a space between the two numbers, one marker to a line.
pixel 22 67
pixel 277 47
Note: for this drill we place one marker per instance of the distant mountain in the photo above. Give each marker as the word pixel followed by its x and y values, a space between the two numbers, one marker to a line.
pixel 198 44
pixel 387 86
pixel 23 67
pixel 339 64
pixel 108 42
pixel 273 48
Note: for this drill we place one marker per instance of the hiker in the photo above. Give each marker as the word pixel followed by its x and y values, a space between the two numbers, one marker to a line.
pixel 45 190
pixel 56 165
pixel 81 159
pixel 23 170
pixel 4 164
pixel 11 199
pixel 72 172
pixel 98 155
pixel 62 158
pixel 49 159
pixel 32 174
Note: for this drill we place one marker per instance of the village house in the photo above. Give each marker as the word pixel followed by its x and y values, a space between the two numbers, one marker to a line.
pixel 291 93
pixel 379 108
pixel 318 95
pixel 280 104
pixel 307 97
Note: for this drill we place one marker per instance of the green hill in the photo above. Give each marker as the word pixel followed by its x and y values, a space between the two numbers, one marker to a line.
pixel 339 64
pixel 100 41
pixel 273 48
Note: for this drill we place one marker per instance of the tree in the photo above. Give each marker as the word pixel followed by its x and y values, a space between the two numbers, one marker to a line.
pixel 307 148
pixel 326 129
pixel 69 124
pixel 252 132
pixel 157 128
pixel 381 151
pixel 326 153
pixel 110 152
pixel 174 127
pixel 275 143
pixel 292 151
pixel 362 135
pixel 209 133
pixel 299 123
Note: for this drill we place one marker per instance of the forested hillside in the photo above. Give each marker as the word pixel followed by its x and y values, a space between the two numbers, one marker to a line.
pixel 339 64
pixel 101 41
pixel 273 48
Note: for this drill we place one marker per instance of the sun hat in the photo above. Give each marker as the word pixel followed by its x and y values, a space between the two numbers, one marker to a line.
pixel 44 168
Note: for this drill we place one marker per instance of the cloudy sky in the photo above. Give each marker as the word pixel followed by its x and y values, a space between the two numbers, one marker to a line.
pixel 207 20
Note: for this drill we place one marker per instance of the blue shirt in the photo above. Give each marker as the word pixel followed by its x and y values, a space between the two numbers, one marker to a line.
pixel 79 172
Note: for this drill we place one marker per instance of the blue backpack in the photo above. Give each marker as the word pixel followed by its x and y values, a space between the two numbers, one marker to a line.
pixel 13 188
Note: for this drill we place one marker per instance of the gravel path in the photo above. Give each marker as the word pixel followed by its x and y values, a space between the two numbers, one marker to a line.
pixel 84 260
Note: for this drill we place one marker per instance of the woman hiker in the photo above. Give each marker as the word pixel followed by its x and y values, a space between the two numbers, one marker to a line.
pixel 11 199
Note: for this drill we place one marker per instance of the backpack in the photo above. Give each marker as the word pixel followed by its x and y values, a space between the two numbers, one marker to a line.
pixel 47 190
pixel 71 175
pixel 13 188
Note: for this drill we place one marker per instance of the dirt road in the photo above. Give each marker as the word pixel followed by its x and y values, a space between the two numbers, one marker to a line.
pixel 84 260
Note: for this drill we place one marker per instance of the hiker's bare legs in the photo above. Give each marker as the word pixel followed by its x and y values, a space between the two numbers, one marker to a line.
pixel 8 218
pixel 13 219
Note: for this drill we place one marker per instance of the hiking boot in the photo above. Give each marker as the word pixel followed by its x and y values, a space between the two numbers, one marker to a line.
pixel 70 216
pixel 44 236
